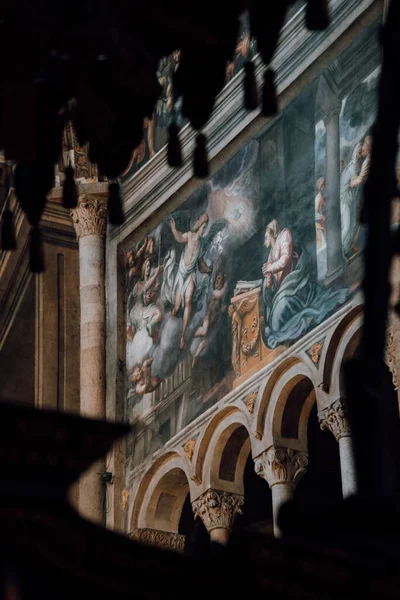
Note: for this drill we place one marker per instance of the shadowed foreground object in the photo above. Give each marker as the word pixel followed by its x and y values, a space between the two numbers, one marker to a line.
pixel 48 549
pixel 55 75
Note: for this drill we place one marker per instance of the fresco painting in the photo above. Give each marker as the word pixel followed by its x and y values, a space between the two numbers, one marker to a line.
pixel 248 265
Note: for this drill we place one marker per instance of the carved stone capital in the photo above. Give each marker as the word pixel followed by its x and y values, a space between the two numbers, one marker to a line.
pixel 279 465
pixel 218 509
pixel 90 216
pixel 335 419
pixel 159 539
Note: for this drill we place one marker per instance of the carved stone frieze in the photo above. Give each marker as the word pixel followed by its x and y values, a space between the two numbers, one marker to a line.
pixel 188 448
pixel 335 419
pixel 279 465
pixel 159 539
pixel 90 216
pixel 390 357
pixel 218 509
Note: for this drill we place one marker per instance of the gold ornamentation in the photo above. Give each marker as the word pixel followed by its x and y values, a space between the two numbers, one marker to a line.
pixel 315 352
pixel 90 216
pixel 250 401
pixel 159 539
pixel 188 448
pixel 281 465
pixel 248 347
pixel 236 312
pixel 335 419
pixel 124 499
pixel 390 357
pixel 218 509
pixel 196 479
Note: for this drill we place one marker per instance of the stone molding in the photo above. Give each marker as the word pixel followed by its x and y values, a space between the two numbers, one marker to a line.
pixel 90 216
pixel 279 465
pixel 218 509
pixel 335 419
pixel 159 539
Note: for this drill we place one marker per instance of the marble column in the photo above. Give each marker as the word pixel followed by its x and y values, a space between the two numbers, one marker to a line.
pixel 282 469
pixel 218 510
pixel 332 196
pixel 334 418
pixel 90 222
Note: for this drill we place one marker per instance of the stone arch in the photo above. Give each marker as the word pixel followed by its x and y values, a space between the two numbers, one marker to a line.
pixel 265 392
pixel 342 345
pixel 227 453
pixel 161 494
pixel 289 408
pixel 204 442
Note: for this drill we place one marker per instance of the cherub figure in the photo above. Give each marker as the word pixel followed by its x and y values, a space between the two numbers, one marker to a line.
pixel 135 260
pixel 142 378
pixel 215 307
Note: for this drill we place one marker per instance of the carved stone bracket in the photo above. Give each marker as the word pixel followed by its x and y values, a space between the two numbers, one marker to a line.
pixel 90 216
pixel 336 420
pixel 218 509
pixel 279 465
pixel 160 539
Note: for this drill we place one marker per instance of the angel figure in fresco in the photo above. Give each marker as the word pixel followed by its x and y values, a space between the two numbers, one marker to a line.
pixel 349 199
pixel 181 278
pixel 294 302
pixel 141 376
pixel 145 313
pixel 216 306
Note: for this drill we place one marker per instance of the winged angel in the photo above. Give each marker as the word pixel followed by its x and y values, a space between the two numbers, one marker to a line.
pixel 180 285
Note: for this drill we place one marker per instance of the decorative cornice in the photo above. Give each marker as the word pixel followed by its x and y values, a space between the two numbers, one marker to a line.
pixel 90 216
pixel 335 419
pixel 279 465
pixel 218 509
pixel 159 539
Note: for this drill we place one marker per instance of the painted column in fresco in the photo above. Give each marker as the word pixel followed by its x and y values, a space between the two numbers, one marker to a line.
pixel 217 510
pixel 90 222
pixel 334 418
pixel 332 197
pixel 282 468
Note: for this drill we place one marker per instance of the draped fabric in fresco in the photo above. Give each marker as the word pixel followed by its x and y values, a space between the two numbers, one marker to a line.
pixel 255 259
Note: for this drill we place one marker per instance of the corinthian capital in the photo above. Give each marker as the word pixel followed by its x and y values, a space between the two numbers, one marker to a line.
pixel 335 419
pixel 218 509
pixel 90 216
pixel 281 465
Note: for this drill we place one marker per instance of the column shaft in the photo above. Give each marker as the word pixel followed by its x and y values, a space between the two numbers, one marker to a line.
pixel 90 224
pixel 333 218
pixel 347 466
pixel 281 493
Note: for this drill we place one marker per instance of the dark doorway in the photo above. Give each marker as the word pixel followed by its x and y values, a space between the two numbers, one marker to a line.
pixel 257 509
pixel 322 481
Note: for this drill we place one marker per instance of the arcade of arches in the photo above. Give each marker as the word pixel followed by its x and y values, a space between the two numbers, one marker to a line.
pixel 238 423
